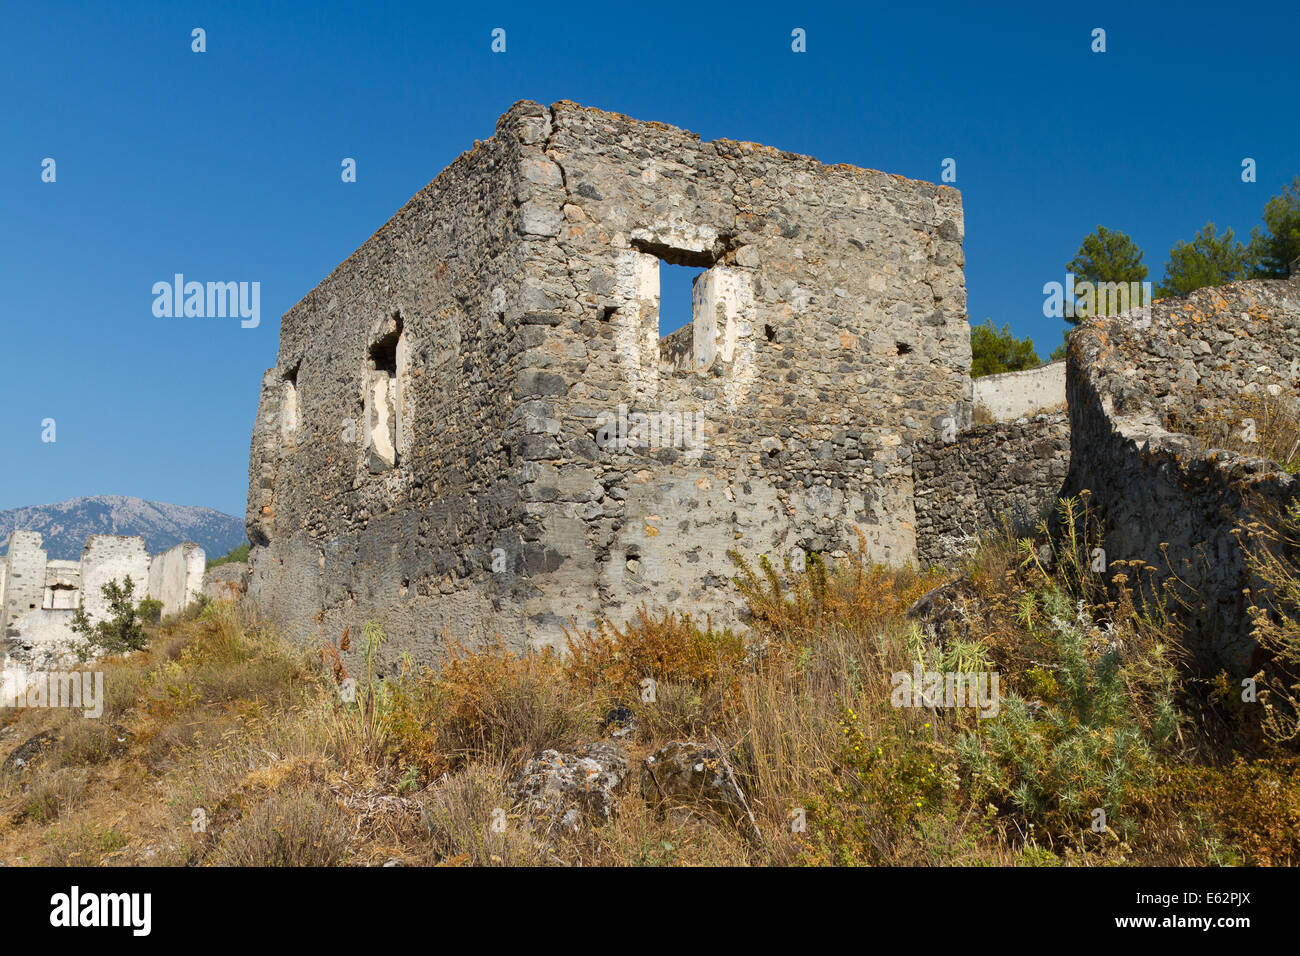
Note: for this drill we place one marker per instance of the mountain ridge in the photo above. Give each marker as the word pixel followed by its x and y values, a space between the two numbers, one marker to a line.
pixel 66 525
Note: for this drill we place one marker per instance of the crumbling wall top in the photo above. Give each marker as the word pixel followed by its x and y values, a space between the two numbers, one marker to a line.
pixel 1168 501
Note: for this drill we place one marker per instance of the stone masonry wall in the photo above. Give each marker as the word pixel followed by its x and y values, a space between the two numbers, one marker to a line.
pixel 38 598
pixel 176 577
pixel 369 496
pixel 990 474
pixel 1164 498
pixel 1013 395
pixel 829 338
pixel 226 582
pixel 829 335
pixel 24 578
pixel 110 557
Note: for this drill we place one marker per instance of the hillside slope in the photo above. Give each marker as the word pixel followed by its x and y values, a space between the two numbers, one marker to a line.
pixel 66 525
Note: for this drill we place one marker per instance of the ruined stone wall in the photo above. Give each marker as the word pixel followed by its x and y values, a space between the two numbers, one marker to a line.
pixel 111 557
pixel 829 337
pixel 226 582
pixel 1013 395
pixel 1166 500
pixel 38 608
pixel 1007 472
pixel 40 640
pixel 62 585
pixel 385 501
pixel 24 578
pixel 176 577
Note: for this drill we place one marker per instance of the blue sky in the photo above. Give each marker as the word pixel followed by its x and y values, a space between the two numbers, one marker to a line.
pixel 225 166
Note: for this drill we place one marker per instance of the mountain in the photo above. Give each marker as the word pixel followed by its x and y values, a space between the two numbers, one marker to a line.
pixel 67 525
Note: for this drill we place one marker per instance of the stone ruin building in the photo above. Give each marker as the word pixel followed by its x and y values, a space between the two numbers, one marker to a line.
pixel 39 597
pixel 475 428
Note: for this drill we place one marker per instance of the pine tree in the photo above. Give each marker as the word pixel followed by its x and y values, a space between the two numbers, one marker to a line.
pixel 1273 251
pixel 1209 259
pixel 1106 255
pixel 995 350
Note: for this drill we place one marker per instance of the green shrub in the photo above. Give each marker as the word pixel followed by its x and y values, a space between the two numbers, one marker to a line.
pixel 150 610
pixel 1089 742
pixel 238 554
pixel 889 776
pixel 81 844
pixel 121 631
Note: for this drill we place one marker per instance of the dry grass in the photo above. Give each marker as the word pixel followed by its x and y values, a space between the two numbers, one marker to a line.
pixel 300 828
pixel 1273 552
pixel 460 813
pixel 84 843
pixel 220 745
pixel 667 648
pixel 489 705
pixel 1256 424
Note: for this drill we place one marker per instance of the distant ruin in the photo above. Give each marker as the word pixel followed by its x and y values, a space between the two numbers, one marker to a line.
pixel 465 428
pixel 39 597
